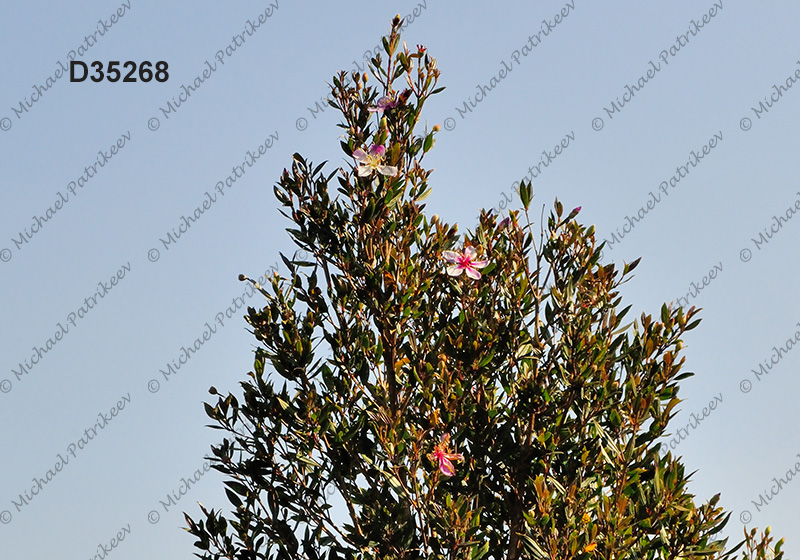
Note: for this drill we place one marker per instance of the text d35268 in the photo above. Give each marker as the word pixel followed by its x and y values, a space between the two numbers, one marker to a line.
pixel 79 71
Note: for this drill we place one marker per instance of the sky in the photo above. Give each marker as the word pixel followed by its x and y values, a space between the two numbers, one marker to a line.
pixel 676 128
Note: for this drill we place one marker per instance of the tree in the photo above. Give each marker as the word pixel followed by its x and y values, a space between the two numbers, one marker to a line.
pixel 480 398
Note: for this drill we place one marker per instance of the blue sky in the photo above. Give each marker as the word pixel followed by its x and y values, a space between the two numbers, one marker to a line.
pixel 630 92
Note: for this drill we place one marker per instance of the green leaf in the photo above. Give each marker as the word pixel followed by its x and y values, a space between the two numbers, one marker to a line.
pixel 615 419
pixel 428 144
pixel 237 487
pixel 525 193
pixel 233 498
pixel 488 269
pixel 534 548
pixel 693 324
pixel 486 359
pixel 630 266
pixel 308 461
pixel 395 201
pixel 481 551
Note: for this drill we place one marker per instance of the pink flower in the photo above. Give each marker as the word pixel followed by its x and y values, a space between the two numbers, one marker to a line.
pixel 371 162
pixel 442 454
pixel 464 262
pixel 384 103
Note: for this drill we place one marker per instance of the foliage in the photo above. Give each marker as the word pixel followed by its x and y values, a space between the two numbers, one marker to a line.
pixel 502 413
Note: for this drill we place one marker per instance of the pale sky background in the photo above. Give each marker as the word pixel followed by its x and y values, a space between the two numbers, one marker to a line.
pixel 266 87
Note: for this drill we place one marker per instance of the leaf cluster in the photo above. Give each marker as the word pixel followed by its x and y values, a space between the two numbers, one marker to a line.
pixel 556 405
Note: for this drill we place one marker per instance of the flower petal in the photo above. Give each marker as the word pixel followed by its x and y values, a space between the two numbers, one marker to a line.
pixel 388 170
pixel 455 270
pixel 479 264
pixel 377 149
pixel 472 273
pixel 446 466
pixel 470 252
pixel 360 155
pixel 450 256
pixel 364 171
pixel 385 102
